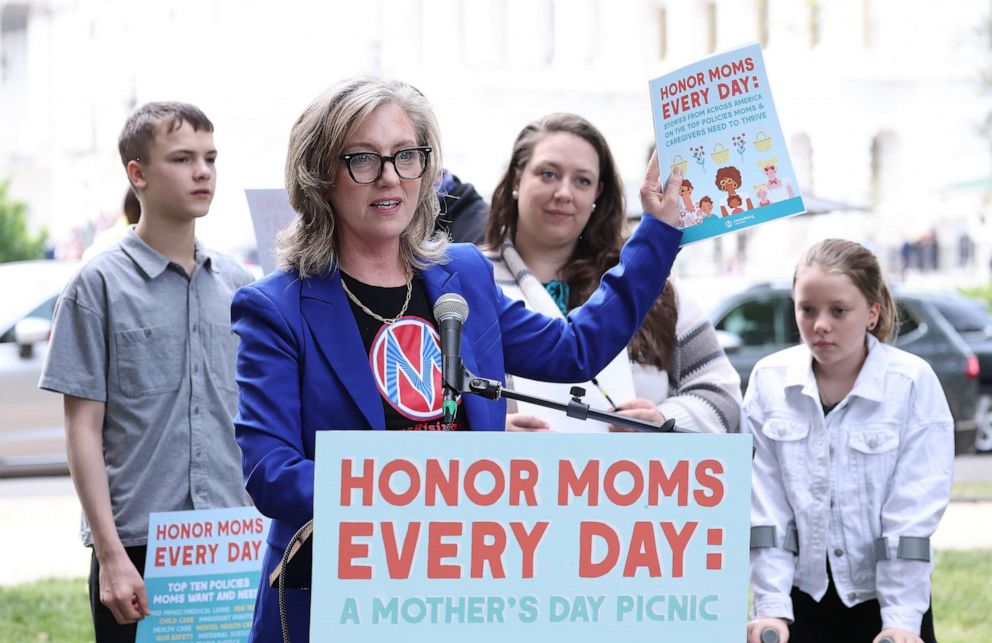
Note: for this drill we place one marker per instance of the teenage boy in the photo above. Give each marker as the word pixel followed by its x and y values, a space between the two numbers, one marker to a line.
pixel 143 354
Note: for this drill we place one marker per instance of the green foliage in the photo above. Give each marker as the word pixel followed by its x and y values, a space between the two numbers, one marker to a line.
pixel 16 243
pixel 972 490
pixel 962 593
pixel 57 610
pixel 48 610
pixel 983 293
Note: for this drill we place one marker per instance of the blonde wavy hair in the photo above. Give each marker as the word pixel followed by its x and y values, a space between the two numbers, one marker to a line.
pixel 309 244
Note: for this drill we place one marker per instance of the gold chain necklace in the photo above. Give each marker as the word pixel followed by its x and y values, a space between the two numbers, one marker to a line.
pixel 406 302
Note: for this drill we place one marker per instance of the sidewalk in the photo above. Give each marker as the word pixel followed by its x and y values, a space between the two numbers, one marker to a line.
pixel 39 525
pixel 39 531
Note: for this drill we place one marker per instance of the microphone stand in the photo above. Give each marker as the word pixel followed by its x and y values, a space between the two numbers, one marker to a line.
pixel 575 408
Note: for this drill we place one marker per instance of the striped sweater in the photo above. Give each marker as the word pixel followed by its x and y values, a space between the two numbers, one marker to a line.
pixel 700 390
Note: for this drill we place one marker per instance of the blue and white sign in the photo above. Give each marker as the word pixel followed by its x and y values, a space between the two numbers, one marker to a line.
pixel 202 573
pixel 492 537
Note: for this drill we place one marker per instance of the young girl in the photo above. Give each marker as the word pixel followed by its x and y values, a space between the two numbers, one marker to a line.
pixel 852 470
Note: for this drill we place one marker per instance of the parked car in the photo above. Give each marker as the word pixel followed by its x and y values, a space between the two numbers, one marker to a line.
pixel 32 434
pixel 973 322
pixel 761 320
pixel 32 437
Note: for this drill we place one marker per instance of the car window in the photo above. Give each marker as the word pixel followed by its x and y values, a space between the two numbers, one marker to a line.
pixel 44 311
pixel 791 330
pixel 28 286
pixel 757 322
pixel 965 318
pixel 907 321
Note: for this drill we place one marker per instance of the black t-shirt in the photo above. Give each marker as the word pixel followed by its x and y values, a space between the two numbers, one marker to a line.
pixel 405 356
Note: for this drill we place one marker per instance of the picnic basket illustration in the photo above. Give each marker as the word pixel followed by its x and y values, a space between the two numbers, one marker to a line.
pixel 762 142
pixel 720 154
pixel 679 162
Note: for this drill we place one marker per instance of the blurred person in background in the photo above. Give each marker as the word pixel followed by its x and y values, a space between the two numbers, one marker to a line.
pixel 556 226
pixel 109 237
pixel 463 210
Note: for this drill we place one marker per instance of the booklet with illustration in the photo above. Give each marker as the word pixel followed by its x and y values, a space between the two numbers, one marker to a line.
pixel 716 120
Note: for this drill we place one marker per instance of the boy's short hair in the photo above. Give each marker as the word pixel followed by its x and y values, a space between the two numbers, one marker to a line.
pixel 140 129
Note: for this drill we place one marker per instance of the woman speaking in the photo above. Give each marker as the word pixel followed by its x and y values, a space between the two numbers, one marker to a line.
pixel 343 336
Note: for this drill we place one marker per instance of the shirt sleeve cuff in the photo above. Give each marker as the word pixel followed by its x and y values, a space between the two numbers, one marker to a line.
pixel 773 606
pixel 902 618
pixel 56 385
pixel 685 421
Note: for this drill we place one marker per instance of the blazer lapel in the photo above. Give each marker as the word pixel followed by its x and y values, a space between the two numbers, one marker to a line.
pixel 438 281
pixel 328 315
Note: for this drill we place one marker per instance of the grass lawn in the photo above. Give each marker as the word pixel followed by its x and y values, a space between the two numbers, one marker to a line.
pixel 57 610
pixel 972 490
pixel 962 596
pixel 48 610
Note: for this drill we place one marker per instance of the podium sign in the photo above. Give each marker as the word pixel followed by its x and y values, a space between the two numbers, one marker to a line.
pixel 527 536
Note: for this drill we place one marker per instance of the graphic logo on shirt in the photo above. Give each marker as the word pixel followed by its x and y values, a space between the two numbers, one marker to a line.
pixel 406 362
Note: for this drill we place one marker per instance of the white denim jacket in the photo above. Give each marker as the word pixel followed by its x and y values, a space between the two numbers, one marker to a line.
pixel 879 464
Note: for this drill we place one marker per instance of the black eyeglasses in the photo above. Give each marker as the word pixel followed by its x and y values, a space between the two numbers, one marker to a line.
pixel 366 167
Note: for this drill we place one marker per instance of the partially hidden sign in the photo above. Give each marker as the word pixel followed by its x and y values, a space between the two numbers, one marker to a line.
pixel 528 536
pixel 202 573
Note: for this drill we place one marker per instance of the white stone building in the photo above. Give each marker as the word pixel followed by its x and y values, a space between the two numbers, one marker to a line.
pixel 876 115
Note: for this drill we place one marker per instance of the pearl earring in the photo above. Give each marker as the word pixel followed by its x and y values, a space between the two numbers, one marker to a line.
pixel 594 205
pixel 514 194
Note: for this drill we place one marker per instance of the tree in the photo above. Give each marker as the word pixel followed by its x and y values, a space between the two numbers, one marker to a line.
pixel 16 243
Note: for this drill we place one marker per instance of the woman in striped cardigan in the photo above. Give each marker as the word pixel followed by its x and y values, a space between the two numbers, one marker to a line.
pixel 556 224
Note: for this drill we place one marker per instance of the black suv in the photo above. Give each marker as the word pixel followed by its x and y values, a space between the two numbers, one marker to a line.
pixel 972 321
pixel 761 320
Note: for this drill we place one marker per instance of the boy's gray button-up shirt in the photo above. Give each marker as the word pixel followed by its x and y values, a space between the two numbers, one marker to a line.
pixel 134 331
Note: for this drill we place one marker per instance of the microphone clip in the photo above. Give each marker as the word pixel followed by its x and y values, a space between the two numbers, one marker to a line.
pixel 453 381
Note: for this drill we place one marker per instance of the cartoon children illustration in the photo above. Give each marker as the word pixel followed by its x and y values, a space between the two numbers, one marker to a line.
pixel 706 208
pixel 688 213
pixel 762 191
pixel 734 202
pixel 688 219
pixel 778 189
pixel 728 179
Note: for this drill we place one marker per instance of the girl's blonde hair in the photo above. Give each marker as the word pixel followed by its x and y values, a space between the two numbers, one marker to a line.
pixel 857 263
pixel 309 244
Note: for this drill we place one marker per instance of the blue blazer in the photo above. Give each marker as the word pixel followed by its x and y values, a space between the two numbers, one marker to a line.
pixel 302 368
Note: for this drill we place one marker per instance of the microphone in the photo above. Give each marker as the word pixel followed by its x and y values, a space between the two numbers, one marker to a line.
pixel 451 311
